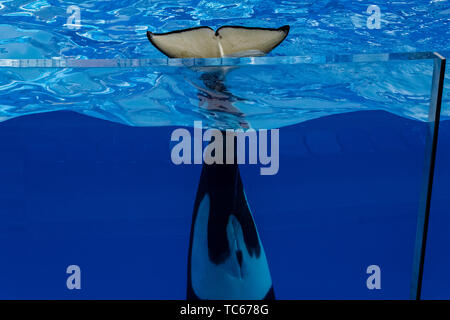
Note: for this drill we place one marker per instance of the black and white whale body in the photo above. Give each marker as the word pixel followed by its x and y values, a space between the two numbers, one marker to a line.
pixel 226 257
pixel 204 42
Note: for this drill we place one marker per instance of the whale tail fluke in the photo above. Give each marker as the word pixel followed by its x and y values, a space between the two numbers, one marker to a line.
pixel 204 42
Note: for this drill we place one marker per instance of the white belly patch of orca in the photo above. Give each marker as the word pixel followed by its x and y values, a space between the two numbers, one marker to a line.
pixel 240 276
pixel 204 42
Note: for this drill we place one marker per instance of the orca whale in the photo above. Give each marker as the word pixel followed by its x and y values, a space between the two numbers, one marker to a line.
pixel 226 258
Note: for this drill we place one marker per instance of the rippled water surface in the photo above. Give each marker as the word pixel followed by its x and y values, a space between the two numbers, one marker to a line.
pixel 265 95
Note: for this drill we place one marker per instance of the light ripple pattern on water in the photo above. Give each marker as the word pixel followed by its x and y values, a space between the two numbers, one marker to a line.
pixel 267 90
pixel 269 96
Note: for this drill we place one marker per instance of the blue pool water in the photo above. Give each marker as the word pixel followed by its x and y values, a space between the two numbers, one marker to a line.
pixel 97 187
pixel 77 190
pixel 161 95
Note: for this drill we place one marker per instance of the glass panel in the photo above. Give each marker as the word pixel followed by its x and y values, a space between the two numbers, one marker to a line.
pixel 345 197
pixel 427 185
pixel 436 278
pixel 165 92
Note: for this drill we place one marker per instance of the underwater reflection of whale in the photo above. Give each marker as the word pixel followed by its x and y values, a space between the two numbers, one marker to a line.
pixel 226 257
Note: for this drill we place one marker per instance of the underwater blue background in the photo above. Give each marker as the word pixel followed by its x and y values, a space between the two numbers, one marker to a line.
pixel 105 196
